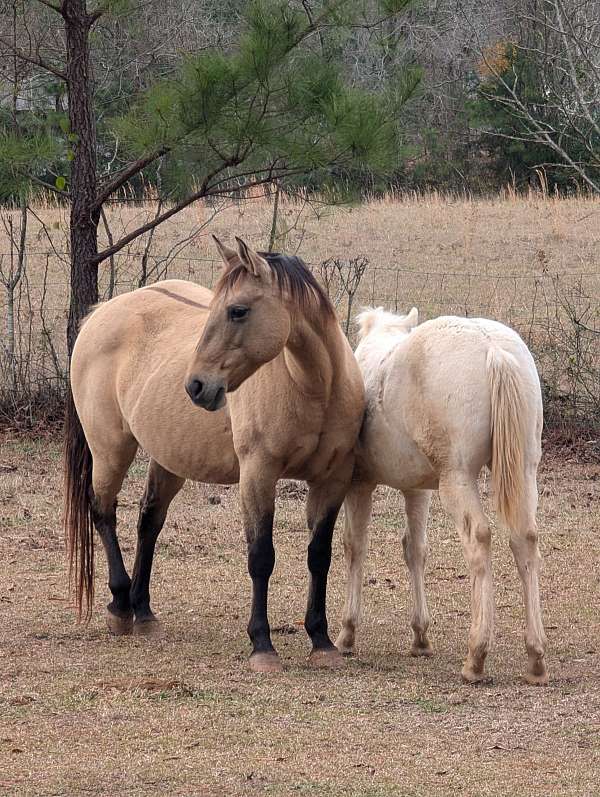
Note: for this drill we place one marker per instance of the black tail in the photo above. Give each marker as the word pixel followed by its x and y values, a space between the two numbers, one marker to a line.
pixel 79 527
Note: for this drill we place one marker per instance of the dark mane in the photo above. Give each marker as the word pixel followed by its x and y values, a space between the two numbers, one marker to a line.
pixel 293 279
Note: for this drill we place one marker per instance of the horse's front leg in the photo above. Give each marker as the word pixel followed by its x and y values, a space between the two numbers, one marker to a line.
pixel 324 502
pixel 257 495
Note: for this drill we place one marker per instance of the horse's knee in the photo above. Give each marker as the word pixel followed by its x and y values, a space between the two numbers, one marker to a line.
pixel 482 533
pixel 524 545
pixel 477 546
pixel 151 516
pixel 261 557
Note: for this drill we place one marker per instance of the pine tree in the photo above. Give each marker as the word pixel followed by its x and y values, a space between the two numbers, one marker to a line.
pixel 275 108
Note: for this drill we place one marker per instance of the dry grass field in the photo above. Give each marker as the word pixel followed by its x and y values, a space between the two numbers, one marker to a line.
pixel 82 713
pixel 531 262
pixel 484 242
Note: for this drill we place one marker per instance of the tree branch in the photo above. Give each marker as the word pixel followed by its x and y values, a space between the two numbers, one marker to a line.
pixel 127 173
pixel 44 184
pixel 95 16
pixel 48 4
pixel 36 60
pixel 202 191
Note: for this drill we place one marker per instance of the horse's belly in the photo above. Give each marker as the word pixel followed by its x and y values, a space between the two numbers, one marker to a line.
pixel 185 440
pixel 214 465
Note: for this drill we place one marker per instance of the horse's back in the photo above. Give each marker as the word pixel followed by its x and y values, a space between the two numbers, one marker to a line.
pixel 125 321
pixel 431 401
pixel 138 331
pixel 449 357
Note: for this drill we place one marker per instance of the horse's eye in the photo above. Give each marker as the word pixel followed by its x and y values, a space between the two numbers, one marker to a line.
pixel 238 313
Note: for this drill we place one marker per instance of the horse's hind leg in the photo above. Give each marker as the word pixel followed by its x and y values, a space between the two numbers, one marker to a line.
pixel 414 544
pixel 357 507
pixel 460 498
pixel 108 471
pixel 524 545
pixel 161 487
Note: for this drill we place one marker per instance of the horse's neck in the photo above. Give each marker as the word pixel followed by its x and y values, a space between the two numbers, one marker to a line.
pixel 312 356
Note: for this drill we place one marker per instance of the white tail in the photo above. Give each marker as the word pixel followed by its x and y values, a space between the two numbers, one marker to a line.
pixel 508 434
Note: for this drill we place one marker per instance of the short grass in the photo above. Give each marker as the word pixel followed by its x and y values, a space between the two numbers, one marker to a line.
pixel 85 714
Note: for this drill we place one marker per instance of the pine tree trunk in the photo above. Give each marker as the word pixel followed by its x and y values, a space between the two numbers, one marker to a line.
pixel 84 215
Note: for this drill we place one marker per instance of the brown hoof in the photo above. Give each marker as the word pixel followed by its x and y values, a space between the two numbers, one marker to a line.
pixel 150 627
pixel 537 680
pixel 265 662
pixel 330 659
pixel 421 649
pixel 119 625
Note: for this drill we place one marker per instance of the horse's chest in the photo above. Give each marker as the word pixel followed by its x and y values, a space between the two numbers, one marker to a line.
pixel 311 456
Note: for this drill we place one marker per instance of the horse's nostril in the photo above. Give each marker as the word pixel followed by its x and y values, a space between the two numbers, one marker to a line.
pixel 194 389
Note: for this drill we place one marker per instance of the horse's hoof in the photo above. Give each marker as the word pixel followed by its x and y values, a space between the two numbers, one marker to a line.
pixel 119 625
pixel 345 647
pixel 421 649
pixel 149 627
pixel 328 658
pixel 475 677
pixel 265 662
pixel 534 679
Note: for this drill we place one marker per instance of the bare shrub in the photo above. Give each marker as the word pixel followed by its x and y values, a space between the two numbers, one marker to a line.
pixel 342 279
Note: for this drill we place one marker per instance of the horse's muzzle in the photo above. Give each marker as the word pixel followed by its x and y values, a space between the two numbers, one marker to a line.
pixel 208 395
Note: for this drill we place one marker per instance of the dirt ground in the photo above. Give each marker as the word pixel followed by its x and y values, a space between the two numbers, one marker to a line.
pixel 82 713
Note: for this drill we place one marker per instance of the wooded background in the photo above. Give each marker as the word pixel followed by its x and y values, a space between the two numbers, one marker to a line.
pixel 308 104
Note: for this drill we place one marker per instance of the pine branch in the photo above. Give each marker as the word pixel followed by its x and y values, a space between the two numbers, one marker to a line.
pixel 207 188
pixel 127 173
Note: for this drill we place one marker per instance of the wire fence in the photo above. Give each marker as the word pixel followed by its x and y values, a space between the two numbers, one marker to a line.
pixel 558 315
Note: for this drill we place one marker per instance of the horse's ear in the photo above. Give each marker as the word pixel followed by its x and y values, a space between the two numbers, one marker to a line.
pixel 365 320
pixel 412 319
pixel 228 254
pixel 253 262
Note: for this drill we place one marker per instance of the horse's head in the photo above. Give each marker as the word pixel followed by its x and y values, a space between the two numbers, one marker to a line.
pixel 248 325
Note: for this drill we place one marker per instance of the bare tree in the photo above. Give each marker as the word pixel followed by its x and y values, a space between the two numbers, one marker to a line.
pixel 545 73
pixel 12 272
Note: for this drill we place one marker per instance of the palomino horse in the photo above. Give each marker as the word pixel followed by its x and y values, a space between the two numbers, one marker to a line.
pixel 278 394
pixel 443 400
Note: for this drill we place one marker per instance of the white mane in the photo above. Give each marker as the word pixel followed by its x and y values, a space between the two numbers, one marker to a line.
pixel 372 318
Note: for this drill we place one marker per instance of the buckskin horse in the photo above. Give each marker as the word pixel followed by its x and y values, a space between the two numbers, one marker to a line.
pixel 275 393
